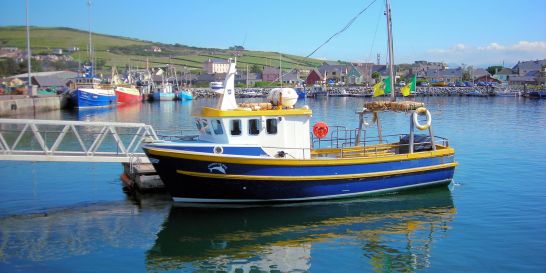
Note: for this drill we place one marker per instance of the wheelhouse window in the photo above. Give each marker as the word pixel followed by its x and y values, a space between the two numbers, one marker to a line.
pixel 217 127
pixel 206 127
pixel 198 124
pixel 254 126
pixel 235 127
pixel 271 126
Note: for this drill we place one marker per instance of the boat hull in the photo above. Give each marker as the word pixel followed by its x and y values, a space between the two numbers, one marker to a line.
pixel 128 95
pixel 185 95
pixel 84 98
pixel 224 180
pixel 164 96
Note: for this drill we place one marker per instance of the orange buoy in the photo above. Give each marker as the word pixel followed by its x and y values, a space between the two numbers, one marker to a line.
pixel 320 129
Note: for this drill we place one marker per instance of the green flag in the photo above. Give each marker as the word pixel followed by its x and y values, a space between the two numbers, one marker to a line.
pixel 413 83
pixel 387 82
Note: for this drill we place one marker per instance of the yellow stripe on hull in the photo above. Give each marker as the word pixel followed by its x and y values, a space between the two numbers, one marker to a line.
pixel 316 177
pixel 298 162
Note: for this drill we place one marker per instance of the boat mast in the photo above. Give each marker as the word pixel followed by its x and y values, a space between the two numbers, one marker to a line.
pixel 280 68
pixel 29 90
pixel 390 48
pixel 90 47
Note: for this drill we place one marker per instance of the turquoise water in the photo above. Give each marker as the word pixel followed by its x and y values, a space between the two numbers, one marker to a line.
pixel 75 217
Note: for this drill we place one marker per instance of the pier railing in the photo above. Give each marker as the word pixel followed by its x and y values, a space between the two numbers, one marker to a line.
pixel 76 141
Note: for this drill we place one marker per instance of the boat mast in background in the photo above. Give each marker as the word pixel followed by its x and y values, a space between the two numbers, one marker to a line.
pixel 90 46
pixel 28 56
pixel 390 48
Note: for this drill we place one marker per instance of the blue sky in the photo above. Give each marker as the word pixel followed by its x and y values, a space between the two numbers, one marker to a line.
pixel 473 32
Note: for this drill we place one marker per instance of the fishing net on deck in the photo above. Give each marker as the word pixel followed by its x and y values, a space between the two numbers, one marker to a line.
pixel 392 105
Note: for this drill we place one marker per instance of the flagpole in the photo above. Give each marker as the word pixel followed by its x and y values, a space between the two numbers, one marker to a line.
pixel 390 48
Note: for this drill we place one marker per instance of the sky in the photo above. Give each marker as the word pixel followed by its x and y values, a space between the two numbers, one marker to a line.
pixel 469 32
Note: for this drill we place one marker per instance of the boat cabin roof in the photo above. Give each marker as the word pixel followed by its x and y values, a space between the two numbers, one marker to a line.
pixel 248 112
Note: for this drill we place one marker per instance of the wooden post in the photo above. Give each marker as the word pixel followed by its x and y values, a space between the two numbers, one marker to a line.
pixel 360 122
pixel 379 131
pixel 412 129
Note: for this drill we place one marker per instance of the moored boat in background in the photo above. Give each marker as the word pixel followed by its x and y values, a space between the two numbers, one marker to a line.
pixel 90 92
pixel 216 85
pixel 127 94
pixel 184 95
pixel 164 93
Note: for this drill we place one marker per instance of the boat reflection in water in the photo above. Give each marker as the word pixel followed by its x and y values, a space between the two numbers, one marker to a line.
pixel 394 232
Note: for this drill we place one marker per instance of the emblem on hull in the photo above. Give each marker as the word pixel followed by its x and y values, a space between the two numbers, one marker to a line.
pixel 217 167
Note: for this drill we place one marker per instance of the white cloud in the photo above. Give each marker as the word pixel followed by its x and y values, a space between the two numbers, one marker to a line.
pixel 492 53
pixel 530 46
pixel 492 46
pixel 459 47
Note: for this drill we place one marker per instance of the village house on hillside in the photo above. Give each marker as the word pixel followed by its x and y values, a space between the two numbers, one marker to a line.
pixel 292 77
pixel 270 74
pixel 213 66
pixel 334 72
pixel 447 75
pixel 48 79
pixel 422 66
pixel 523 68
pixel 314 77
pixel 252 78
pixel 365 70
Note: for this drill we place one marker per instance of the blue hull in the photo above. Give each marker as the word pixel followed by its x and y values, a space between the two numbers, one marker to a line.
pixel 83 99
pixel 185 96
pixel 537 94
pixel 210 181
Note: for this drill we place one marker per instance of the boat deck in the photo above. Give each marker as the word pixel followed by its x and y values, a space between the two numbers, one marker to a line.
pixel 372 151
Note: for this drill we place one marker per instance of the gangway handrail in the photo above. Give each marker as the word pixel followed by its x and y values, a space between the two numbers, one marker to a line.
pixel 86 152
pixel 72 122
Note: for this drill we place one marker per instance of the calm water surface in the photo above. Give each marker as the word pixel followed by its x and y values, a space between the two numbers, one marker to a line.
pixel 74 217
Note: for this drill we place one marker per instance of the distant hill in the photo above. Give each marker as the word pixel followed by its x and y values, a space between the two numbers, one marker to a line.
pixel 121 51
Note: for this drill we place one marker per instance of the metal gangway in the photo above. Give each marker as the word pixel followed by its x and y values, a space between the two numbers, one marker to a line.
pixel 73 141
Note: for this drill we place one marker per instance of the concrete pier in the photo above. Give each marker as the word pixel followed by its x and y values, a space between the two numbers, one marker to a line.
pixel 19 105
pixel 141 177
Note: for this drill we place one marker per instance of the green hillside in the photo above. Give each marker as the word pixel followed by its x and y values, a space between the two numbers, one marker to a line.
pixel 122 51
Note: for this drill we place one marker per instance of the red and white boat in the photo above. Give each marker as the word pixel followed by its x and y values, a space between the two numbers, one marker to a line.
pixel 128 94
pixel 125 91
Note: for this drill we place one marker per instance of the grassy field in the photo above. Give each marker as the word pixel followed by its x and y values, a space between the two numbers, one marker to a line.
pixel 122 51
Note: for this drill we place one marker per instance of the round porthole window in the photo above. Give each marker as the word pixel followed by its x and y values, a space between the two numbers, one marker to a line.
pixel 218 149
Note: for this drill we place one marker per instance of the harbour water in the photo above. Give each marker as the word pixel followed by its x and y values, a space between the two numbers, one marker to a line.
pixel 75 217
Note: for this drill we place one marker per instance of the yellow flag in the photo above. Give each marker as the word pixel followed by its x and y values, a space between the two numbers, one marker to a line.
pixel 379 89
pixel 405 90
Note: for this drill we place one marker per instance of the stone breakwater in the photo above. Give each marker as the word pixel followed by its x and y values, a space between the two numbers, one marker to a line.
pixel 19 105
pixel 361 91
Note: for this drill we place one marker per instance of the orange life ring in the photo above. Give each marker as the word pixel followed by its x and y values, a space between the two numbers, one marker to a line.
pixel 320 129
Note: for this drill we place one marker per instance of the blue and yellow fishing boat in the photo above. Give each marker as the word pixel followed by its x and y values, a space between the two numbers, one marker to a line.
pixel 265 152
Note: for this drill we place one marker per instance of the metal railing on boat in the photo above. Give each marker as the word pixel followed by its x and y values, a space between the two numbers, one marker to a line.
pixel 344 143
pixel 73 141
